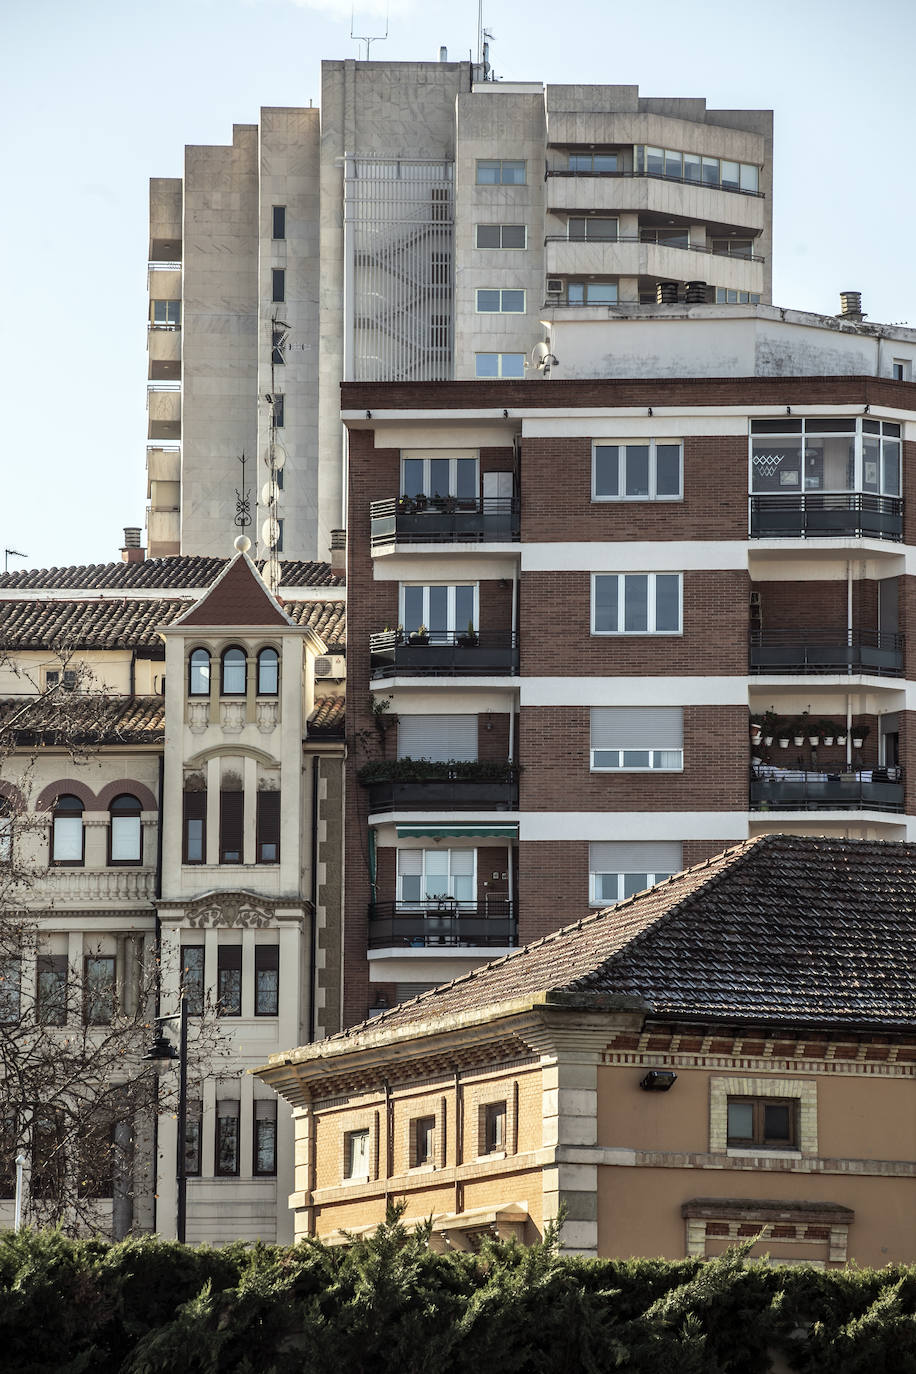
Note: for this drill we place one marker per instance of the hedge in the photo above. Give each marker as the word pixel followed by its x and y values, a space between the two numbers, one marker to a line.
pixel 389 1304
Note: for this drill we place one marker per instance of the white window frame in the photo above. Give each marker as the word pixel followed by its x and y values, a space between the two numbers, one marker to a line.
pixel 354 1161
pixel 516 376
pixel 506 247
pixel 727 295
pixel 652 444
pixel 809 430
pixel 594 900
pixel 427 897
pixel 412 456
pixel 655 764
pixel 501 163
pixel 652 606
pixel 451 626
pixel 667 758
pixel 503 291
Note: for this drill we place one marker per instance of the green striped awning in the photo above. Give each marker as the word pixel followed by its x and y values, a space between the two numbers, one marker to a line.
pixel 457 831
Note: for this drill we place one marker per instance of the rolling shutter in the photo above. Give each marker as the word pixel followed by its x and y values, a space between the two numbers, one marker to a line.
pixel 438 737
pixel 637 727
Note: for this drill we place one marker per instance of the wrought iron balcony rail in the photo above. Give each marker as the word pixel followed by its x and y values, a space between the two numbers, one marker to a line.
pixel 860 789
pixel 445 520
pixel 655 176
pixel 444 794
pixel 827 651
pixel 418 925
pixel 444 653
pixel 825 515
pixel 650 243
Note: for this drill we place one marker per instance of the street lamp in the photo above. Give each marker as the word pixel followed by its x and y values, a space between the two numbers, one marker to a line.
pixel 162 1054
pixel 20 1165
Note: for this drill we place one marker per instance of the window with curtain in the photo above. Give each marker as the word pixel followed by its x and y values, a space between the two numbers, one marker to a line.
pixel 67 834
pixel 234 675
pixel 199 673
pixel 125 838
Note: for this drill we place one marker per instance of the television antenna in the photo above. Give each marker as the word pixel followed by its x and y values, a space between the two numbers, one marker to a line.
pixel 367 38
pixel 11 553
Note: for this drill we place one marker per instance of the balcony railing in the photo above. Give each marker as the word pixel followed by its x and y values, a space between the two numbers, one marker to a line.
pixel 444 794
pixel 863 789
pixel 413 925
pixel 650 243
pixel 813 515
pixel 655 176
pixel 826 651
pixel 445 653
pixel 447 520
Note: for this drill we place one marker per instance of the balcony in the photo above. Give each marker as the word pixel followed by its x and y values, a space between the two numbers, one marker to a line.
pixel 94 886
pixel 490 924
pixel 632 257
pixel 580 192
pixel 827 651
pixel 826 515
pixel 425 785
pixel 409 520
pixel 863 789
pixel 444 653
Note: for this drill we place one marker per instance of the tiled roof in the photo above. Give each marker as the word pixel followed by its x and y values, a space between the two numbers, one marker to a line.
pixel 809 931
pixel 238 597
pixel 327 618
pixel 84 718
pixel 182 571
pixel 328 716
pixel 101 623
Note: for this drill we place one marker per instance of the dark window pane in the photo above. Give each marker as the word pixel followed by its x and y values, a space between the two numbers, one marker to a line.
pixel 99 989
pixel 668 602
pixel 231 825
pixel 607 479
pixel 740 1120
pixel 192 1142
pixel 268 827
pixel 488 236
pixel 412 478
pixel 637 470
pixel 514 236
pixel 279 224
pixel 278 284
pixel 227 1139
pixel 192 976
pixel 229 979
pixel 776 1121
pixel 267 980
pixel 10 977
pixel 636 606
pixel 668 470
pixel 606 594
pixel 51 989
pixel 265 1143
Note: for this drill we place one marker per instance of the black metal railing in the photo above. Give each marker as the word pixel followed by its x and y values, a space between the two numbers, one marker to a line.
pixel 635 238
pixel 858 789
pixel 444 794
pixel 826 651
pixel 655 176
pixel 444 653
pixel 416 925
pixel 445 520
pixel 809 514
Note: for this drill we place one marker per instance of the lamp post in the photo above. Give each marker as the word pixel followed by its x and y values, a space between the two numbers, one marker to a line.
pixel 20 1165
pixel 162 1054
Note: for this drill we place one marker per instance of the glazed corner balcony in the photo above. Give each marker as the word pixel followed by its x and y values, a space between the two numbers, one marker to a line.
pixel 827 651
pixel 426 785
pixel 854 789
pixel 445 520
pixel 413 925
pixel 443 653
pixel 825 515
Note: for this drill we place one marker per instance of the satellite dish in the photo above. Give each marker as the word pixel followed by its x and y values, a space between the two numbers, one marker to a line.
pixel 276 459
pixel 270 532
pixel 269 496
pixel 271 573
pixel 539 354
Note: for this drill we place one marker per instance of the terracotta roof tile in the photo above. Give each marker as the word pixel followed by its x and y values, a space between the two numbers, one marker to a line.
pixel 183 571
pixel 327 618
pixel 84 718
pixel 100 623
pixel 328 717
pixel 781 929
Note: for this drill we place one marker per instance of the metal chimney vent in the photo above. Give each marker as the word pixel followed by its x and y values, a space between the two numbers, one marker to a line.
pixel 695 293
pixel 666 293
pixel 851 305
pixel 131 537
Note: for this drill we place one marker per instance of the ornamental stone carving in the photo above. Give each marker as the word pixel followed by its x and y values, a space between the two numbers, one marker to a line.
pixel 232 716
pixel 268 716
pixel 198 716
pixel 231 910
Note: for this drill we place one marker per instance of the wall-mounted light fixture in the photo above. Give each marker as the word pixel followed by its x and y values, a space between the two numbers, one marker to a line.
pixel 658 1080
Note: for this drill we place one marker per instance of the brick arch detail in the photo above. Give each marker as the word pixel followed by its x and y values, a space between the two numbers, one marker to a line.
pixel 137 789
pixel 48 795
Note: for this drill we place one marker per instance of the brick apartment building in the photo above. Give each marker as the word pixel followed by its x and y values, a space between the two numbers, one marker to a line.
pixel 571 602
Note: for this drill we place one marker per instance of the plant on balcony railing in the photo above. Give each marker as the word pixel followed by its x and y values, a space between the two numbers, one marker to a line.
pixel 430 770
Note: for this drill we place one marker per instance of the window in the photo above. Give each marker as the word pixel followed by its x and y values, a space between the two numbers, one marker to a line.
pixel 6 832
pixel 278 410
pixel 278 547
pixel 356 1154
pixel 496 171
pixel 268 828
pixel 67 834
pixel 66 680
pixel 769 1122
pixel 99 989
pixel 637 738
pixel 494 1128
pixel 494 301
pixel 711 171
pixel 591 228
pixel 636 603
pixel 167 313
pixel 277 347
pixel 51 989
pixel 199 673
pixel 229 980
pixel 502 236
pixel 279 222
pixel 667 238
pixel 591 293
pixel 499 364
pixel 423 1142
pixel 192 1138
pixel 647 470
pixel 443 610
pixel 125 836
pixel 265 1138
pixel 278 284
pixel 192 978
pixel 437 737
pixel 901 369
pixel 452 476
pixel 594 164
pixel 619 869
pixel 267 979
pixel 96 1158
pixel 437 876
pixel 842 454
pixel 195 827
pixel 733 247
pixel 268 673
pixel 49 1163
pixel 10 982
pixel 234 679
pixel 231 826
pixel 227 1138
pixel 726 296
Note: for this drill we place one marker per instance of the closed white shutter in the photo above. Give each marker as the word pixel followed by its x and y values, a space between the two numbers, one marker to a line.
pixel 622 856
pixel 637 727
pixel 438 737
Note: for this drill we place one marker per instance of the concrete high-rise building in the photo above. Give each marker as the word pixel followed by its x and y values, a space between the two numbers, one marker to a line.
pixel 413 230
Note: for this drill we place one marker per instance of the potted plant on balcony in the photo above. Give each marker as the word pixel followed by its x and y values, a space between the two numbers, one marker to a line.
pixel 756 729
pixel 406 505
pixel 770 720
pixel 859 735
pixel 420 501
pixel 468 638
pixel 784 734
pixel 800 729
pixel 419 636
pixel 841 735
pixel 828 732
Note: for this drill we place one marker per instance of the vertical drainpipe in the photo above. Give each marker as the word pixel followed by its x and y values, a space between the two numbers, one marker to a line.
pixel 849 640
pixel 158 940
pixel 313 947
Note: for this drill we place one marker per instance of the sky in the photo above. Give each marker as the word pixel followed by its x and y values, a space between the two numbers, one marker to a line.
pixel 97 97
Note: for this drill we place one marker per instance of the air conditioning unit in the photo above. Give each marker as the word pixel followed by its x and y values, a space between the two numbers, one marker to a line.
pixel 554 286
pixel 331 665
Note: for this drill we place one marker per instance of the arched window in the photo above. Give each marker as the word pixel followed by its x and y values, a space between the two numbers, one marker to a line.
pixel 67 835
pixel 234 664
pixel 199 673
pixel 268 673
pixel 125 842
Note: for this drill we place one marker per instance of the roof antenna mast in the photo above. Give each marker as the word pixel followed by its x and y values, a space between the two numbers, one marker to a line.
pixel 367 38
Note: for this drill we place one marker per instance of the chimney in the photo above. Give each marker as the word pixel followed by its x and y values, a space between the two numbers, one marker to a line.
pixel 850 306
pixel 338 551
pixel 132 551
pixel 443 54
